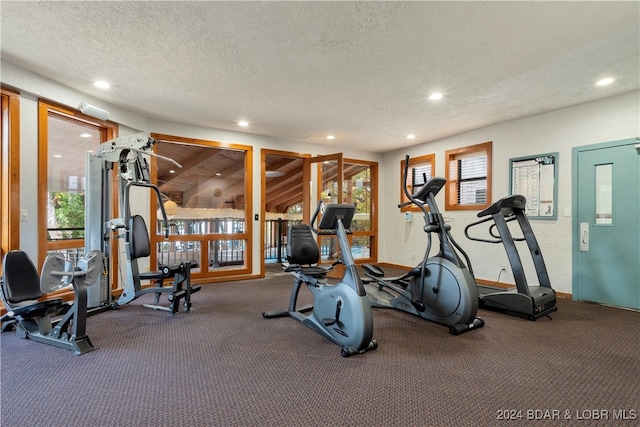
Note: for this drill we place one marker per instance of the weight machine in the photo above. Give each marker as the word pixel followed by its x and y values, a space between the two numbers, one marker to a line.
pixel 128 153
pixel 48 321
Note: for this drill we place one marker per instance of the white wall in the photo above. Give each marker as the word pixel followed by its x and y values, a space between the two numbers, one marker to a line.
pixel 606 120
pixel 609 119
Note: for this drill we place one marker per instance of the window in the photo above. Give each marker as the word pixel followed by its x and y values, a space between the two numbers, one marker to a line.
pixel 65 135
pixel 420 171
pixel 468 173
pixel 208 202
pixel 359 188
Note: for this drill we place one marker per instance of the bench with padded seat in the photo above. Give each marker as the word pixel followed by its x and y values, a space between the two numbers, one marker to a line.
pixel 139 246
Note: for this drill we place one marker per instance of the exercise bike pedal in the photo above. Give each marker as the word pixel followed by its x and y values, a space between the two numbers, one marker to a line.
pixel 328 321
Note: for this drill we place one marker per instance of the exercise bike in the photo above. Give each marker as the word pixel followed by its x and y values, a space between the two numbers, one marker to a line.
pixel 531 302
pixel 341 311
pixel 441 288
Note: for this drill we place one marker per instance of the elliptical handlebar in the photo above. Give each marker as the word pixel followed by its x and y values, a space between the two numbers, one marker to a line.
pixel 426 194
pixel 434 221
pixel 412 199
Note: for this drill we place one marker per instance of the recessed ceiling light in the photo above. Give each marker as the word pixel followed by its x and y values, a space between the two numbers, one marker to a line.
pixel 412 136
pixel 102 84
pixel 243 123
pixel 57 156
pixel 331 137
pixel 172 171
pixel 605 82
pixel 435 96
pixel 218 174
pixel 85 135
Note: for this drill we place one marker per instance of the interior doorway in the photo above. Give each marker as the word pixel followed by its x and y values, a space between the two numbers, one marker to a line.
pixel 292 184
pixel 606 224
pixel 283 175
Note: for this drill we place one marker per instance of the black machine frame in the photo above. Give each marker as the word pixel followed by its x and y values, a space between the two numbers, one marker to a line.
pixel 532 302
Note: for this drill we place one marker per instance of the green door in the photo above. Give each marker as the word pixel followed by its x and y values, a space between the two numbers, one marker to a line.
pixel 606 224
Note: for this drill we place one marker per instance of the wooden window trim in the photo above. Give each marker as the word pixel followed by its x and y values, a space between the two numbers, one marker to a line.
pixel 373 232
pixel 426 159
pixel 109 130
pixel 248 231
pixel 10 212
pixel 451 188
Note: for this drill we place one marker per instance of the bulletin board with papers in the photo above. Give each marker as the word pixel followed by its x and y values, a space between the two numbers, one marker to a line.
pixel 536 177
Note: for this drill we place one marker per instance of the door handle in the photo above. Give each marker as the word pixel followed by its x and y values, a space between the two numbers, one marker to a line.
pixel 584 236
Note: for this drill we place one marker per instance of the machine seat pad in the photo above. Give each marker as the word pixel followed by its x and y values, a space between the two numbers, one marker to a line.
pixel 314 270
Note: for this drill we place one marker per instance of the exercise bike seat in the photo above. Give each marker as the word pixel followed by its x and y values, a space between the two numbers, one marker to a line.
pixel 303 253
pixel 309 270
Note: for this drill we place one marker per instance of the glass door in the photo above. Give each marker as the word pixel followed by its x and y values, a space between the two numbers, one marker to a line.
pixel 328 188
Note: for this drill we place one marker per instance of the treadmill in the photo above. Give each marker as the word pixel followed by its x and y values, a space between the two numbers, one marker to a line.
pixel 531 302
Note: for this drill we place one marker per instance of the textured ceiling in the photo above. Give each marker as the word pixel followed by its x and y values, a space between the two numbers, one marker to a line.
pixel 359 70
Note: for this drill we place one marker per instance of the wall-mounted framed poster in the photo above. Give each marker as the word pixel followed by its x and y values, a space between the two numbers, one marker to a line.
pixel 536 178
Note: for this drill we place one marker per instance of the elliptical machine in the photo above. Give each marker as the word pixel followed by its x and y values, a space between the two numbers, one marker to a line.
pixel 441 288
pixel 341 311
pixel 527 301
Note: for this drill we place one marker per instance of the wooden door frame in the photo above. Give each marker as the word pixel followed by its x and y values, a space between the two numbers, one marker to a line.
pixel 263 192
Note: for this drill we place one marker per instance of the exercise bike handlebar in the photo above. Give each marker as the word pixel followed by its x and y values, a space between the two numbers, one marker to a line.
pixel 314 217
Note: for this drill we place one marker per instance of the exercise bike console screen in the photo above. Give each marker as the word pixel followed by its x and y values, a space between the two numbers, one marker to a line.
pixel 334 212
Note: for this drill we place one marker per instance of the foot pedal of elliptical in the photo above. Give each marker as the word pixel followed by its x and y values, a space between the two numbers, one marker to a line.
pixel 418 305
pixel 328 321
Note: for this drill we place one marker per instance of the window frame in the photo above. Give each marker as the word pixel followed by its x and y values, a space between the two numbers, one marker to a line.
pixel 108 130
pixel 10 172
pixel 206 239
pixel 372 233
pixel 416 162
pixel 452 187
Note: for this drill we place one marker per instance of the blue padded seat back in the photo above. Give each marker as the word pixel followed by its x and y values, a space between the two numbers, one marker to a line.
pixel 138 237
pixel 302 248
pixel 21 280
